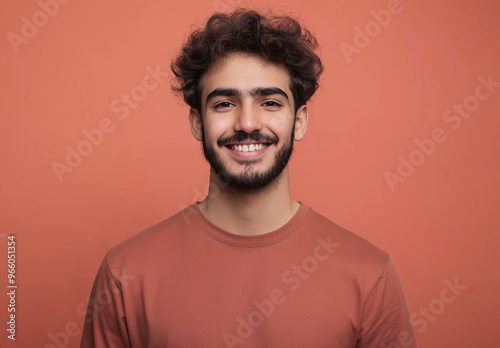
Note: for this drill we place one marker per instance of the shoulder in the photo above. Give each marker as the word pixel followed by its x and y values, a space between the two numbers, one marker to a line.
pixel 354 253
pixel 153 243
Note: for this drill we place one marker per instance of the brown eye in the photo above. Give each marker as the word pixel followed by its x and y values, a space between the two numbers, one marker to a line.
pixel 271 103
pixel 222 105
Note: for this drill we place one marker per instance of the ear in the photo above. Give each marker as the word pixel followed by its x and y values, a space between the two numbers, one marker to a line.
pixel 301 118
pixel 196 123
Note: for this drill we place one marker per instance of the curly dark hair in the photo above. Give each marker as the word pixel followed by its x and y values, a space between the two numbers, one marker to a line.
pixel 278 39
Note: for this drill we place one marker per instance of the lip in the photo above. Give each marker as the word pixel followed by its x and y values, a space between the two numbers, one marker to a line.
pixel 249 154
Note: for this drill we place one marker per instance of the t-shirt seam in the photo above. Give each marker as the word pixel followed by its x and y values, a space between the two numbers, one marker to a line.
pixel 221 240
pixel 111 273
pixel 371 291
pixel 118 285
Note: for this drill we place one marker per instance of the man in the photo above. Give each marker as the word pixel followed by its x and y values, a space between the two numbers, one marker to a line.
pixel 248 266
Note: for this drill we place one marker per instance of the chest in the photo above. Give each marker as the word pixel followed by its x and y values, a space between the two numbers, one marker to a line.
pixel 248 301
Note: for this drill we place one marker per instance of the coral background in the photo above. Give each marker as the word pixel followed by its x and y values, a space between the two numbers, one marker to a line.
pixel 387 155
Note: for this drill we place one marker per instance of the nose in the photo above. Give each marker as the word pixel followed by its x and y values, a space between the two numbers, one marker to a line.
pixel 248 118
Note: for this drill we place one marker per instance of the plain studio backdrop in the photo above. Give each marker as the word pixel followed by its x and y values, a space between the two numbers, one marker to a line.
pixel 402 148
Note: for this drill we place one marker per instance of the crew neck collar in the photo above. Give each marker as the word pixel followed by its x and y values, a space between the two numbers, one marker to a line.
pixel 260 240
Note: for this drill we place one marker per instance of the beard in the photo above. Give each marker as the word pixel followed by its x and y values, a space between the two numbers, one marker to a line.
pixel 250 179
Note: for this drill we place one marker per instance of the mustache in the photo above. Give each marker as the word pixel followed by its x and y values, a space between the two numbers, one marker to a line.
pixel 243 136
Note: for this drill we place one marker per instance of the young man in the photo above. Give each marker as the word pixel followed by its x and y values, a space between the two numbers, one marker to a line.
pixel 248 266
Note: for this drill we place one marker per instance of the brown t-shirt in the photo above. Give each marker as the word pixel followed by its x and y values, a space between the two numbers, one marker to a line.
pixel 187 283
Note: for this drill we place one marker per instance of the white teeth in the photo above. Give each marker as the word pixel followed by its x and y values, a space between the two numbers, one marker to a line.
pixel 247 148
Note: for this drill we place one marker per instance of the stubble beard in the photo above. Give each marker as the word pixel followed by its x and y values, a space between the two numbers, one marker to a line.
pixel 250 179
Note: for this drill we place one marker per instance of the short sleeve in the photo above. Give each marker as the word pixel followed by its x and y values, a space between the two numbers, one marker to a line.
pixel 105 324
pixel 385 321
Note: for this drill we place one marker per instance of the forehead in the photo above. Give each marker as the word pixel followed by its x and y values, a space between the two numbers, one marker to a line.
pixel 244 72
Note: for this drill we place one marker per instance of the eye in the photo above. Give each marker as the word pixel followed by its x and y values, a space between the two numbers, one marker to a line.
pixel 271 103
pixel 222 105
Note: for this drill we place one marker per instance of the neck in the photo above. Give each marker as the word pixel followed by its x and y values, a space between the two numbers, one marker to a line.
pixel 249 213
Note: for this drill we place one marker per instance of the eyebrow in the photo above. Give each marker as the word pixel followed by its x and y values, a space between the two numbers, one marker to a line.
pixel 259 91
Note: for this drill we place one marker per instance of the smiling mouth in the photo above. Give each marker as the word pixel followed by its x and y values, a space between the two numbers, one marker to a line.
pixel 248 147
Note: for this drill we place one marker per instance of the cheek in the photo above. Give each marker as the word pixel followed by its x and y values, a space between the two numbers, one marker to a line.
pixel 215 130
pixel 281 125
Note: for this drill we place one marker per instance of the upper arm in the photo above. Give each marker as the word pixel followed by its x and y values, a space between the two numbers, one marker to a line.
pixel 385 321
pixel 105 322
